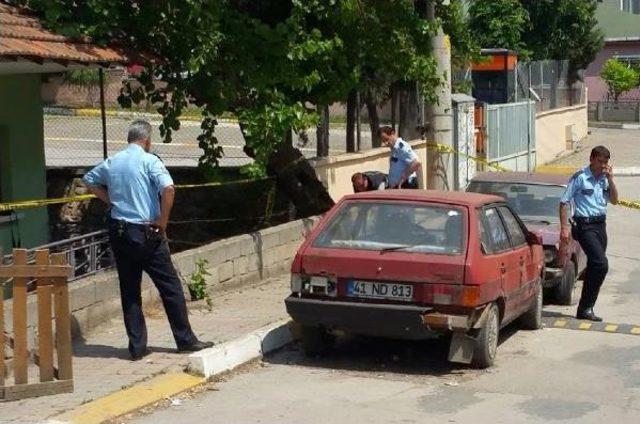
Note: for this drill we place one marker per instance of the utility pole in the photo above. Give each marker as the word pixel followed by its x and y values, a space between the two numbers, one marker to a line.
pixel 439 115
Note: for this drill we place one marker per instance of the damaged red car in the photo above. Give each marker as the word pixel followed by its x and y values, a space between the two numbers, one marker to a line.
pixel 412 264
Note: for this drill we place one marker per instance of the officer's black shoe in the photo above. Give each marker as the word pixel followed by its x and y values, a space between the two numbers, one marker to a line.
pixel 588 314
pixel 194 347
pixel 139 356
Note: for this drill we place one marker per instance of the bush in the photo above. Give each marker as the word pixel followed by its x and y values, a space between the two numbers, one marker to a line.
pixel 619 77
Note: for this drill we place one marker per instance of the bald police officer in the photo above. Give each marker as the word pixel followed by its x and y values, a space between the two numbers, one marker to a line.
pixel 589 190
pixel 403 162
pixel 139 191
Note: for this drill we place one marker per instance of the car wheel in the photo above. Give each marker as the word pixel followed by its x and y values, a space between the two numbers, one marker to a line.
pixel 532 319
pixel 566 290
pixel 484 352
pixel 316 341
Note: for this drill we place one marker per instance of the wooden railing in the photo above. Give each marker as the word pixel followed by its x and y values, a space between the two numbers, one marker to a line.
pixel 51 274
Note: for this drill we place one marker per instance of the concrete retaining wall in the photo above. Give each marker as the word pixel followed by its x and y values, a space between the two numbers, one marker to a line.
pixel 558 130
pixel 233 262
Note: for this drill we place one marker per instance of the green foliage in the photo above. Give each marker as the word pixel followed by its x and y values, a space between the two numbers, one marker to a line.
pixel 85 77
pixel 499 24
pixel 619 77
pixel 198 282
pixel 564 29
pixel 266 61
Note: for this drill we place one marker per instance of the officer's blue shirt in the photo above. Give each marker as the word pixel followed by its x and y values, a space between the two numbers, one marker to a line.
pixel 589 195
pixel 134 180
pixel 402 155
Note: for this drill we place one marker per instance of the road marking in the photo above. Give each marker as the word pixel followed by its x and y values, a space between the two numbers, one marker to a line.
pixel 560 323
pixel 570 323
pixel 131 399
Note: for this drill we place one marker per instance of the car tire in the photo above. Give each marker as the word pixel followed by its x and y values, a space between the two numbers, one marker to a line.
pixel 484 352
pixel 532 319
pixel 316 341
pixel 566 290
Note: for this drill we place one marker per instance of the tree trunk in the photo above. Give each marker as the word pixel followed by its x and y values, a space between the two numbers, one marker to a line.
pixel 409 119
pixel 322 132
pixel 374 119
pixel 351 121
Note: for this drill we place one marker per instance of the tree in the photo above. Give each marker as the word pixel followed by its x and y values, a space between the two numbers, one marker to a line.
pixel 266 61
pixel 563 29
pixel 619 77
pixel 499 24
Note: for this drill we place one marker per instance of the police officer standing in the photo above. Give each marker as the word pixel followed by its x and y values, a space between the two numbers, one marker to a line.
pixel 139 191
pixel 589 190
pixel 403 162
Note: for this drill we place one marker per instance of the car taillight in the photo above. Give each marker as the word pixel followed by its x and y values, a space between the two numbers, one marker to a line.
pixel 452 294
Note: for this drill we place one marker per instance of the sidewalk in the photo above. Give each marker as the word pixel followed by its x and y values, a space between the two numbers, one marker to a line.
pixel 623 144
pixel 102 365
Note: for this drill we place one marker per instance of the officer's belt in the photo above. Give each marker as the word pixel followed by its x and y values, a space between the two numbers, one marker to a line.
pixel 590 219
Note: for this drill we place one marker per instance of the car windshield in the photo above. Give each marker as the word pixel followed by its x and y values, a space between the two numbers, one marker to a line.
pixel 532 202
pixel 395 226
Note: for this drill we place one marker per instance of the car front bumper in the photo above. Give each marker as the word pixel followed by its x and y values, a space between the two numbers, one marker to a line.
pixel 379 320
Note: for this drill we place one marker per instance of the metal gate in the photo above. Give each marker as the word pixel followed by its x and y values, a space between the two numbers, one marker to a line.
pixel 510 135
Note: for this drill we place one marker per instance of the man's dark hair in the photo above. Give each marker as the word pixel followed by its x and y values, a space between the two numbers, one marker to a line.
pixel 386 129
pixel 600 151
pixel 356 176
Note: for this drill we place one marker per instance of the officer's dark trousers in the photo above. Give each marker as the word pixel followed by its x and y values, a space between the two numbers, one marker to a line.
pixel 593 240
pixel 138 249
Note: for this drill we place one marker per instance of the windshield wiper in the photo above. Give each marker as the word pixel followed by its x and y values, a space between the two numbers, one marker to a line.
pixel 403 246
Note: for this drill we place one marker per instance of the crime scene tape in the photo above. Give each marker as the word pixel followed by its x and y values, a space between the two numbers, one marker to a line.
pixel 29 204
pixel 442 148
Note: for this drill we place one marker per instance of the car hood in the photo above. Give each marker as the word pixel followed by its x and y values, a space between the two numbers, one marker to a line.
pixel 550 232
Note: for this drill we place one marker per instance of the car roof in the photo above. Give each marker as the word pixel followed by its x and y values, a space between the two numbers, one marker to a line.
pixel 436 196
pixel 522 177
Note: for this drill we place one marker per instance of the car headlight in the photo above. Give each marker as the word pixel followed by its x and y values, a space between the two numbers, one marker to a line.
pixel 550 255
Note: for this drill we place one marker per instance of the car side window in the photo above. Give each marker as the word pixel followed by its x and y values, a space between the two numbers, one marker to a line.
pixel 485 242
pixel 497 232
pixel 516 234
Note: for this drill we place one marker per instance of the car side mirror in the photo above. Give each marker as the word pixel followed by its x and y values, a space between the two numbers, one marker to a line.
pixel 533 239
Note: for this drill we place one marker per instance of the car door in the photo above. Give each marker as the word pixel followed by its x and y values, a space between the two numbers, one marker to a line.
pixel 523 261
pixel 505 259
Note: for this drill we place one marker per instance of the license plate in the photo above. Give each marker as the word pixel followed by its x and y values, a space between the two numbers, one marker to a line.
pixel 373 290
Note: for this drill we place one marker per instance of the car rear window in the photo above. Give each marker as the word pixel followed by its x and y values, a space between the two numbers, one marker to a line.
pixel 401 226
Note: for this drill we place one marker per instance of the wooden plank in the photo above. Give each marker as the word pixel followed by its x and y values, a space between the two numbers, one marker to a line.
pixel 63 321
pixel 2 366
pixel 45 330
pixel 34 271
pixel 20 352
pixel 23 391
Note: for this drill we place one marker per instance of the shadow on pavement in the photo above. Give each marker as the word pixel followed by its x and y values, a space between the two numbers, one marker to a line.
pixel 82 350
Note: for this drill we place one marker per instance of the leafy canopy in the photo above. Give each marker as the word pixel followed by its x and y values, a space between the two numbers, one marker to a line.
pixel 619 77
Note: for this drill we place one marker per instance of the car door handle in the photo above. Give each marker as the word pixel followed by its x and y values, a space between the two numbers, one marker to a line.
pixel 503 269
pixel 521 261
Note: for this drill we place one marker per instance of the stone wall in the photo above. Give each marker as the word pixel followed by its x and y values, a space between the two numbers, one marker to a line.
pixel 234 262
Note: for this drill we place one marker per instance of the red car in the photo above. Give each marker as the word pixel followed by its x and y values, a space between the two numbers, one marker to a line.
pixel 414 264
pixel 535 197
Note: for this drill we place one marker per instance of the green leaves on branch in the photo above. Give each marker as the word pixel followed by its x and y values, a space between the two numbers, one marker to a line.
pixel 619 77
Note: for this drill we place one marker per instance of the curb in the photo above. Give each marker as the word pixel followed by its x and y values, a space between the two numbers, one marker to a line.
pixel 206 363
pixel 229 355
pixel 93 113
pixel 614 126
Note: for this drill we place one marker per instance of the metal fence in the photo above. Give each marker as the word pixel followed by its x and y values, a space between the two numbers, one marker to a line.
pixel 620 111
pixel 510 131
pixel 548 83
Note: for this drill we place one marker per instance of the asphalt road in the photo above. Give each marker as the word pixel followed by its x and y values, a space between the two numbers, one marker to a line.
pixel 550 375
pixel 77 141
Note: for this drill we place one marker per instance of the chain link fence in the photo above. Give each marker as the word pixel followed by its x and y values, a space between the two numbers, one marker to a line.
pixel 548 82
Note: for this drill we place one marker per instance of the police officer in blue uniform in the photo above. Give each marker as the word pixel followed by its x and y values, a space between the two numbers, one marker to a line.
pixel 403 162
pixel 139 191
pixel 589 191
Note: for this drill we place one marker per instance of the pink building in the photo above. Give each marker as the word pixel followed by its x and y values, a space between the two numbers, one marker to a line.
pixel 622 41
